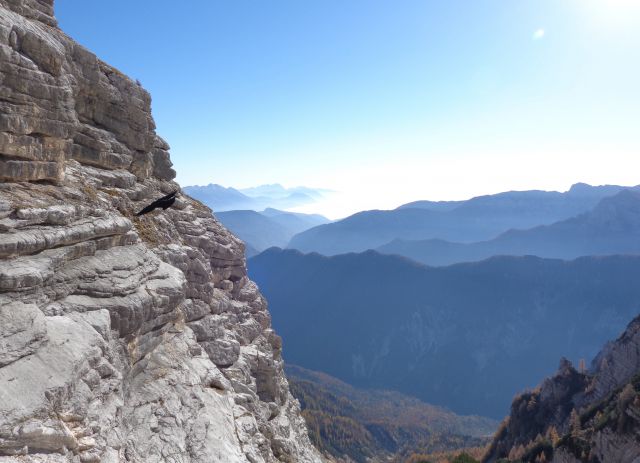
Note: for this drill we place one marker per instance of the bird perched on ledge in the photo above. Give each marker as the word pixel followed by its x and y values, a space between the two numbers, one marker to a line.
pixel 164 203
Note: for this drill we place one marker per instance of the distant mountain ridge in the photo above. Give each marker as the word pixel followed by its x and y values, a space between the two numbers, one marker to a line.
pixel 553 201
pixel 220 198
pixel 611 227
pixel 477 219
pixel 275 190
pixel 467 336
pixel 271 227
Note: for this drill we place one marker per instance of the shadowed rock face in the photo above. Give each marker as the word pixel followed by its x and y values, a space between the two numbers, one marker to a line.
pixel 579 416
pixel 121 338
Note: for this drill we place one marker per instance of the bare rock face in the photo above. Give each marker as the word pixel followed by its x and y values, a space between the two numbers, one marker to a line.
pixel 579 416
pixel 122 338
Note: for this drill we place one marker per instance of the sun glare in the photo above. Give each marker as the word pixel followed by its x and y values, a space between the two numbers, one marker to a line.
pixel 617 8
pixel 613 17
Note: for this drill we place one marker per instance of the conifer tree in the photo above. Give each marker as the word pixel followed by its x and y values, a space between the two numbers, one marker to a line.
pixel 516 453
pixel 552 435
pixel 624 399
pixel 574 422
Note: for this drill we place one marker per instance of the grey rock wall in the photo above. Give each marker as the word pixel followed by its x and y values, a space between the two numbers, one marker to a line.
pixel 122 338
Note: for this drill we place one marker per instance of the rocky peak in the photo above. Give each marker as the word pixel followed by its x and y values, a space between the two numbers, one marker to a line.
pixel 616 364
pixel 37 10
pixel 591 416
pixel 59 103
pixel 122 338
pixel 620 212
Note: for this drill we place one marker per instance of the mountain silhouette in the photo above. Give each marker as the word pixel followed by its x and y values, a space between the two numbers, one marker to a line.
pixel 477 219
pixel 220 198
pixel 271 227
pixel 467 336
pixel 612 227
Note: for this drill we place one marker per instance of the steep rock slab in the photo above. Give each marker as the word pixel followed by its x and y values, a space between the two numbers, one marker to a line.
pixel 122 338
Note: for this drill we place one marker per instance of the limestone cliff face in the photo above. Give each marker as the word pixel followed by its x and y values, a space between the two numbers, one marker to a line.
pixel 121 338
pixel 579 416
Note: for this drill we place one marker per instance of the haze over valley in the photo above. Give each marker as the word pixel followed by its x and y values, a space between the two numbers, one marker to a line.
pixel 541 275
pixel 319 231
pixel 460 304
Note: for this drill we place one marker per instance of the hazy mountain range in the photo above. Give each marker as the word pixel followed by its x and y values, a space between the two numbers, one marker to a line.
pixel 611 227
pixel 477 219
pixel 466 336
pixel 220 198
pixel 271 227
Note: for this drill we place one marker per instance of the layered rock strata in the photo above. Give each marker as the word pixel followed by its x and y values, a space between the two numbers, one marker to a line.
pixel 122 338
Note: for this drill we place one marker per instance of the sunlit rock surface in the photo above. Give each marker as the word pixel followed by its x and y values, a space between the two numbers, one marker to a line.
pixel 122 338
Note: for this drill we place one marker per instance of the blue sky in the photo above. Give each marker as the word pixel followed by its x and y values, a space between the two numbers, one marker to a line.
pixel 383 101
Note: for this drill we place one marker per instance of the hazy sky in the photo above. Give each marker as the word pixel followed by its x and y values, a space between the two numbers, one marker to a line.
pixel 383 101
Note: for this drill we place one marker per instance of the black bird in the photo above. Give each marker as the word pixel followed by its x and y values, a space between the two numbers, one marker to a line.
pixel 164 203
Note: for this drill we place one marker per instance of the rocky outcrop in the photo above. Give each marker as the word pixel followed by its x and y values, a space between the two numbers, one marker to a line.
pixel 122 338
pixel 579 416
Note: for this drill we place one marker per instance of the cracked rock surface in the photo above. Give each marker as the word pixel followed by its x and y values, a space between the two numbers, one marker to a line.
pixel 122 338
